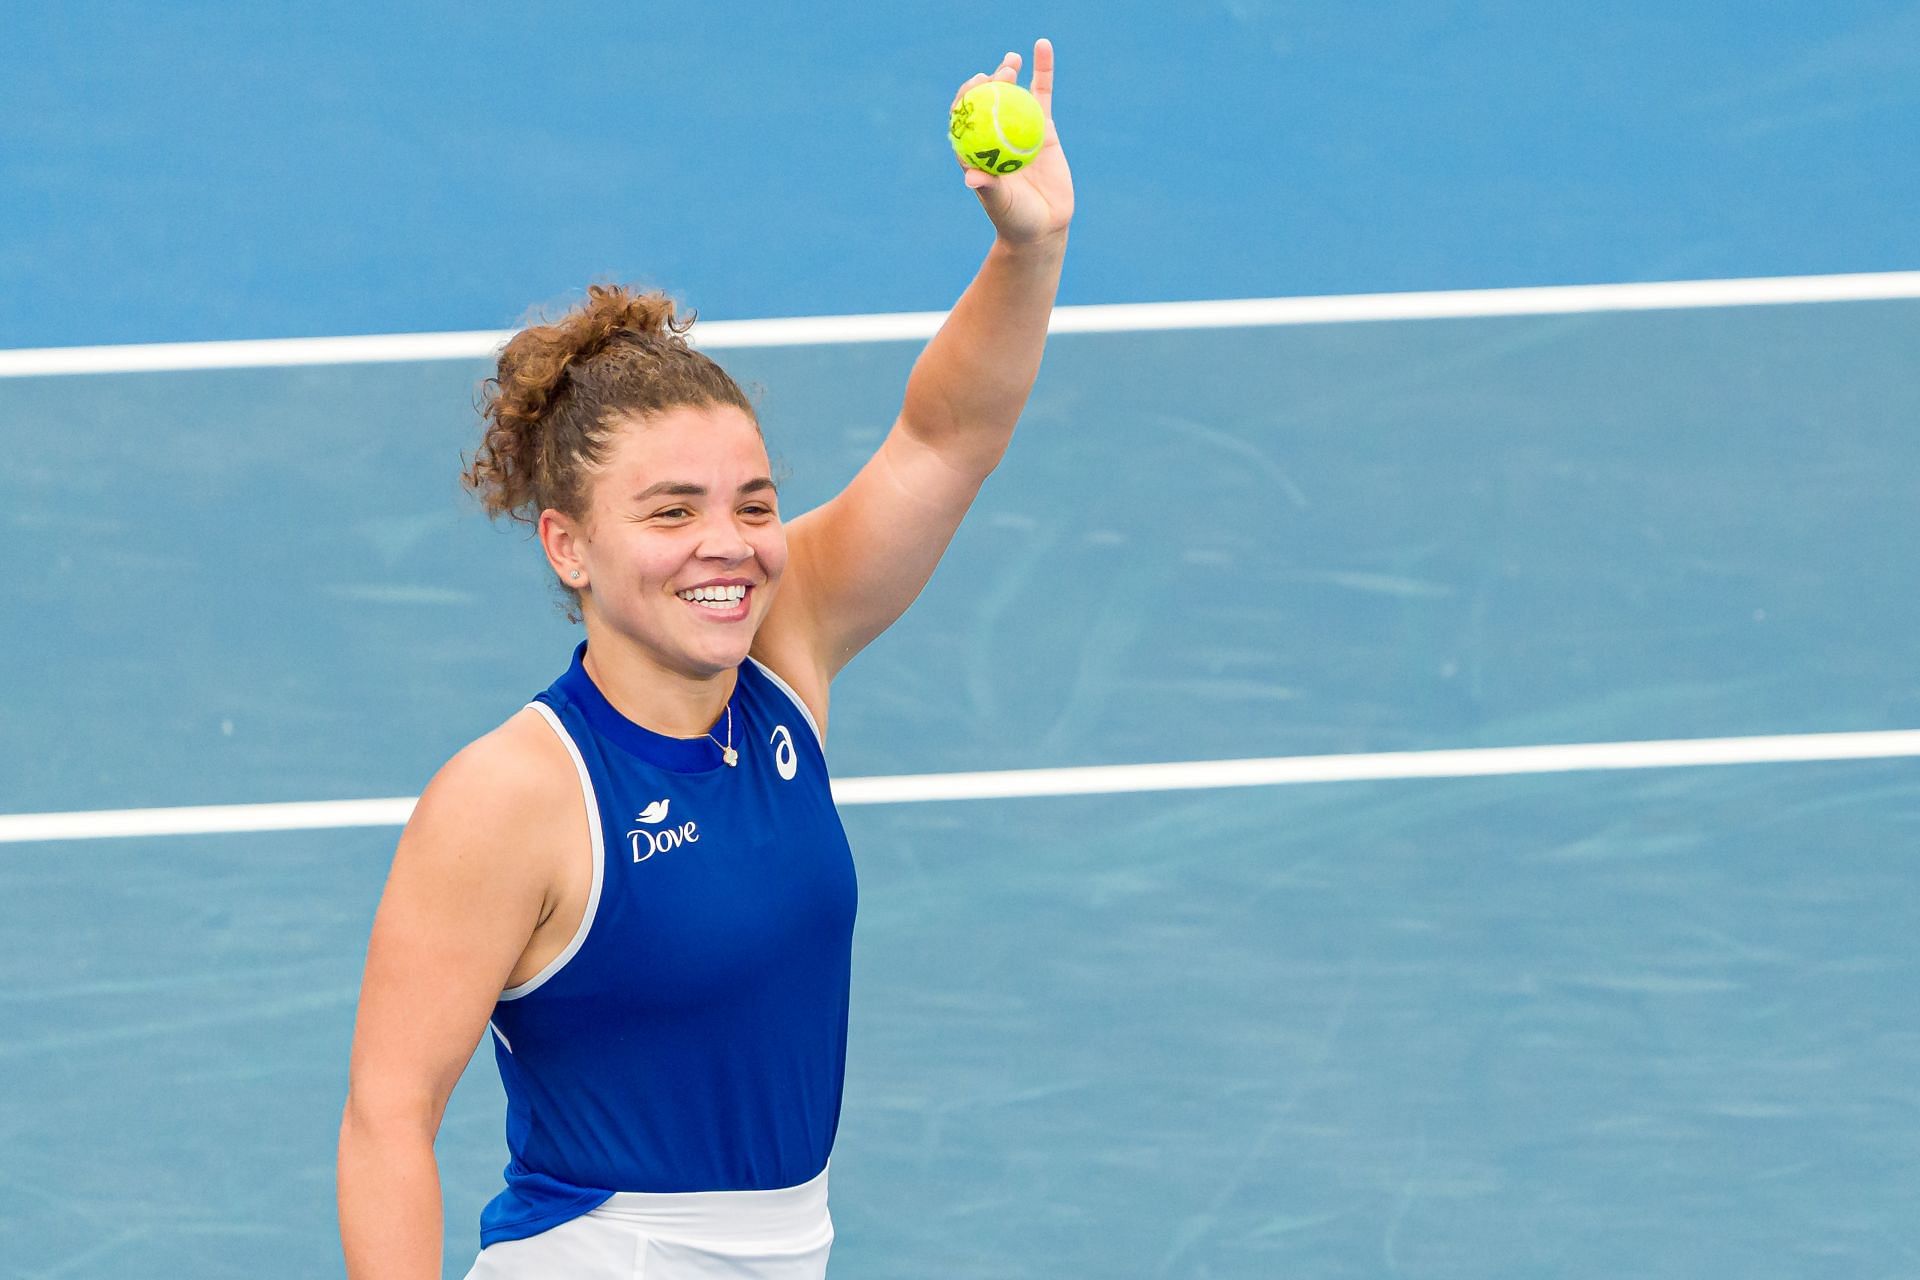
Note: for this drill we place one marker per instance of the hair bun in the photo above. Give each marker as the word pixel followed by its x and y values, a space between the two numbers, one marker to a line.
pixel 536 360
pixel 614 311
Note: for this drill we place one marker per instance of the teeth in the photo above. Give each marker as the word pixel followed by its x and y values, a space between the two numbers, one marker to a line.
pixel 722 596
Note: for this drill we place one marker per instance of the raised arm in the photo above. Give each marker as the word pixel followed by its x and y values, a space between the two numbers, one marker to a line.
pixel 858 561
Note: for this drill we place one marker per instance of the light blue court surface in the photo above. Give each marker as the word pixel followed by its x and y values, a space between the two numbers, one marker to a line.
pixel 1653 1023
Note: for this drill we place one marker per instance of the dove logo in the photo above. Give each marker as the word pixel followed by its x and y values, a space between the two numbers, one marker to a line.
pixel 652 837
pixel 784 758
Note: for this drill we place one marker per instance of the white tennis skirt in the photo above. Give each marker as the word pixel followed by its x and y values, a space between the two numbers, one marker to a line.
pixel 693 1235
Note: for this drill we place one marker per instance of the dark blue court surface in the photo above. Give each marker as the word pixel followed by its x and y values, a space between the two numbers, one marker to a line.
pixel 215 169
pixel 1655 1023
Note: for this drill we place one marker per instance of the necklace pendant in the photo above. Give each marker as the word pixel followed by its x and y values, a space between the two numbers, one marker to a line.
pixel 731 756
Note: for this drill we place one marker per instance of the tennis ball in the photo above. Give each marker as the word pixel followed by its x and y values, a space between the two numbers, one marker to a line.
pixel 998 127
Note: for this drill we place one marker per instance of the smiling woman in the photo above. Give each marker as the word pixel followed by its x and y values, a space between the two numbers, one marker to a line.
pixel 639 883
pixel 640 463
pixel 564 390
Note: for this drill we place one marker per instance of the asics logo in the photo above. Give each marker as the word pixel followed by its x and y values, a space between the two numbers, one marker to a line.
pixel 784 758
pixel 651 838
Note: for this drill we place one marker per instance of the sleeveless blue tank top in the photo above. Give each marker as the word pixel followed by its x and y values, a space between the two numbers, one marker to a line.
pixel 692 1036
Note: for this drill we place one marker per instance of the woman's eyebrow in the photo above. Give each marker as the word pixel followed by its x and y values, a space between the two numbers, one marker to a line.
pixel 683 489
pixel 679 488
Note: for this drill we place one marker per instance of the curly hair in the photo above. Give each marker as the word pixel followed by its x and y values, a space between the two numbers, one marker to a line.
pixel 563 389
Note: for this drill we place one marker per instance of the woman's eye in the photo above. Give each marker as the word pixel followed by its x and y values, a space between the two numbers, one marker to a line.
pixel 674 513
pixel 756 510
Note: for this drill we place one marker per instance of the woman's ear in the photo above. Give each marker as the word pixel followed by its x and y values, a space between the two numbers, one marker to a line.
pixel 564 541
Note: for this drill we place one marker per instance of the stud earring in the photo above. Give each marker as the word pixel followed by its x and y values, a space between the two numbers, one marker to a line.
pixel 576 575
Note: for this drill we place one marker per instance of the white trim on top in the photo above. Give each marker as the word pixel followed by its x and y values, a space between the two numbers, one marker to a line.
pixel 917 326
pixel 599 863
pixel 798 702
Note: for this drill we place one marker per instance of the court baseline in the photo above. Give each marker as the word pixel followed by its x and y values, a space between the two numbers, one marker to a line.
pixel 1188 775
pixel 1233 313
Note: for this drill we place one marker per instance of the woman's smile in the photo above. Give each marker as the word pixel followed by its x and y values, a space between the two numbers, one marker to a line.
pixel 721 600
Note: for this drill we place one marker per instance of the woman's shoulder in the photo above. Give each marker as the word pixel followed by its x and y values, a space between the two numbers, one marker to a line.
pixel 476 868
pixel 518 774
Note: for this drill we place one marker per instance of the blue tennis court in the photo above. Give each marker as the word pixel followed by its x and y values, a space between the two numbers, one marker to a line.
pixel 1654 1022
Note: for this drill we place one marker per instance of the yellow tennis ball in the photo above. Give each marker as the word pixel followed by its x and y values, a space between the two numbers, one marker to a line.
pixel 998 127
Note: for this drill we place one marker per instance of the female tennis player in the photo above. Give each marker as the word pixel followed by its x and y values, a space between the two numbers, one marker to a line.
pixel 638 885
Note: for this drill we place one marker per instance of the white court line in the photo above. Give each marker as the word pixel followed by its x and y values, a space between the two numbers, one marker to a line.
pixel 1091 780
pixel 919 325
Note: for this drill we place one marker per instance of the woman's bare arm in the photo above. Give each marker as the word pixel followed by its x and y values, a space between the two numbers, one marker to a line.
pixel 466 891
pixel 860 559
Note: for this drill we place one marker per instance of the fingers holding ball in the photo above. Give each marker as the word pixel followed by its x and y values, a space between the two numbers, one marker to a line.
pixel 977 78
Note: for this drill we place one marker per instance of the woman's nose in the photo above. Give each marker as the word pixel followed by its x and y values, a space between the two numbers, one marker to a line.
pixel 724 541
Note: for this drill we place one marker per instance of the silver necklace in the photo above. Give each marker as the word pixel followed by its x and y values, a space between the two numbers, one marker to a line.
pixel 727 753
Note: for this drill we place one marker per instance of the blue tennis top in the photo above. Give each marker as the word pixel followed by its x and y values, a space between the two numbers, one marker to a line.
pixel 692 1036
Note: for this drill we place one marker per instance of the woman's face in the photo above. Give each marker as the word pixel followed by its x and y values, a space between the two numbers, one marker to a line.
pixel 684 546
